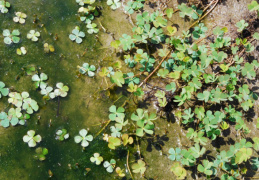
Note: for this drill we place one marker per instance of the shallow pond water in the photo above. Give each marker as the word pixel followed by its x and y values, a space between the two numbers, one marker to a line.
pixel 54 18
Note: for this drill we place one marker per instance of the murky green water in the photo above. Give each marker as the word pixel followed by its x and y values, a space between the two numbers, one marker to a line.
pixel 77 111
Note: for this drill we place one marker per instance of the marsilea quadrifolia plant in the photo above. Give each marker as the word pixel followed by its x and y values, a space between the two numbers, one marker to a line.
pixel 205 79
pixel 24 106
pixel 47 91
pixel 31 138
pixel 199 75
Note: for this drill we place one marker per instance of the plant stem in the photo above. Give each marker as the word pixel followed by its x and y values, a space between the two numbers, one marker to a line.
pixel 138 147
pixel 102 128
pixel 128 166
pixel 58 106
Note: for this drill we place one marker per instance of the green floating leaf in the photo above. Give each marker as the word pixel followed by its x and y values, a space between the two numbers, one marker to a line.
pixel 115 4
pixel 77 35
pixel 205 167
pixel 41 153
pixel 139 167
pixel 241 25
pixel 31 139
pixel 169 12
pixel 254 6
pixel 118 78
pixel 97 159
pixel 114 142
pixel 178 170
pixel 248 71
pixel 83 138
pixel 243 155
pixel 3 91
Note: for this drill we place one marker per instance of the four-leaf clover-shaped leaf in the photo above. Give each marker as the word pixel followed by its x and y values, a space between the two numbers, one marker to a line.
pixel 206 167
pixel 86 68
pixel 62 90
pixel 83 138
pixel 77 36
pixel 175 154
pixel 4 5
pixel 115 4
pixel 39 80
pixel 97 159
pixel 62 134
pixel 115 131
pixel 118 79
pixel 11 37
pixel 41 153
pixel 109 165
pixel 241 25
pixel 33 35
pixel 31 139
pixel 20 17
pixel 139 167
pixel 114 112
pixel 92 28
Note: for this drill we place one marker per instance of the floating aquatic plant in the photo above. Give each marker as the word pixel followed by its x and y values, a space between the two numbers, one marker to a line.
pixel 126 139
pixel 11 37
pixel 97 159
pixel 109 165
pixel 4 5
pixel 62 90
pixel 20 17
pixel 39 79
pixel 14 113
pixel 113 142
pixel 77 35
pixel 23 118
pixel 120 172
pixel 3 91
pixel 134 6
pixel 33 35
pixel 115 4
pixel 115 131
pixel 21 51
pixel 106 72
pixel 30 105
pixel 31 139
pixel 83 2
pixel 86 68
pixel 41 153
pixel 16 98
pixel 114 112
pixel 47 91
pixel 241 25
pixel 139 167
pixel 83 138
pixel 62 134
pixel 48 48
pixel 92 28
pixel 23 100
pixel 6 120
pixel 87 14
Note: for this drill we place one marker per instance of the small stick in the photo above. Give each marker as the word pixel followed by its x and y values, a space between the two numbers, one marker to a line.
pixel 145 80
pixel 204 14
pixel 198 41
